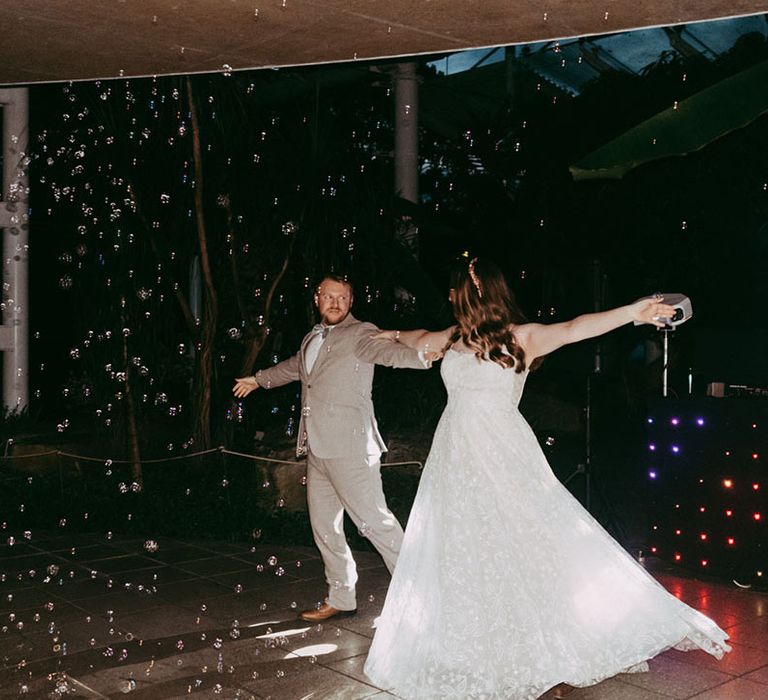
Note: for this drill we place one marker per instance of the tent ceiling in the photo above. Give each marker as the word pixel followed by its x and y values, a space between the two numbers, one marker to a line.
pixel 56 40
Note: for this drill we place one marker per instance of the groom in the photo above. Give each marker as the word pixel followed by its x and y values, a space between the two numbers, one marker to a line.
pixel 339 435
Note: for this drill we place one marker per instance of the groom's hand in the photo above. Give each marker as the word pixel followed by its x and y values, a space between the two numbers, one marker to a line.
pixel 244 386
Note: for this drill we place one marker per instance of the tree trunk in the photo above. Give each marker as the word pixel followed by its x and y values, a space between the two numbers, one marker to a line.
pixel 260 337
pixel 202 389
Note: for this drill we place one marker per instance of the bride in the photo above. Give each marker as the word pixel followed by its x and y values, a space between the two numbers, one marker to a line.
pixel 505 586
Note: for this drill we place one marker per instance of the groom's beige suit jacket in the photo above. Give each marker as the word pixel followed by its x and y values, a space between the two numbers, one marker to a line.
pixel 337 416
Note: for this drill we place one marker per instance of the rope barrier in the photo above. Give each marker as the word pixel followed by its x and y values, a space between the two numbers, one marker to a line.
pixel 221 449
pixel 141 461
pixel 36 454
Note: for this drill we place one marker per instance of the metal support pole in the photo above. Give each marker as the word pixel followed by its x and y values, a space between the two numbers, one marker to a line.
pixel 588 447
pixel 665 367
pixel 14 219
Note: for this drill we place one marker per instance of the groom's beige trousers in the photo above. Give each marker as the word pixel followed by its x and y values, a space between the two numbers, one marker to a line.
pixel 351 484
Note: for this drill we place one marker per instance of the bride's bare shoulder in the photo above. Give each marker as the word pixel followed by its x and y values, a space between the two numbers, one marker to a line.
pixel 520 329
pixel 523 332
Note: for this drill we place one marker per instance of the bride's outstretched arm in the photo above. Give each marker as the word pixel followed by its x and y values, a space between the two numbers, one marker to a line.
pixel 539 340
pixel 419 339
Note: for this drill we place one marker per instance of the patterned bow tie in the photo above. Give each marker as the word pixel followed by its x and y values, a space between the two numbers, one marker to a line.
pixel 321 330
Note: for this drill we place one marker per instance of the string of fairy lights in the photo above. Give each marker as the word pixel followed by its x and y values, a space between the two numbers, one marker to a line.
pixel 706 477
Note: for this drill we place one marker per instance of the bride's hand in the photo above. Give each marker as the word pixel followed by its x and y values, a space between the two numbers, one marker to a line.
pixel 652 311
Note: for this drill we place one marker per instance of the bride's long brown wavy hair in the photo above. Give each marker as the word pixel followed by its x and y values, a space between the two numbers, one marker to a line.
pixel 485 309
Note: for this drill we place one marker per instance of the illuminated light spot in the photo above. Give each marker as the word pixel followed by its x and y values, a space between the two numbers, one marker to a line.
pixel 759 573
pixel 652 447
pixel 677 505
pixel 703 536
pixel 653 550
pixel 704 562
pixel 701 481
pixel 728 483
pixel 655 527
pixel 729 513
pixel 757 516
pixel 727 453
pixel 676 449
pixel 678 557
pixel 650 421
pixel 651 475
pixel 702 509
pixel 755 487
pixel 731 541
pixel 678 532
pixel 754 425
pixel 755 455
pixel 312 651
pixel 675 421
pixel 699 421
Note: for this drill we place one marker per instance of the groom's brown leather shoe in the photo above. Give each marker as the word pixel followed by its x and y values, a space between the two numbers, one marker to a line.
pixel 325 612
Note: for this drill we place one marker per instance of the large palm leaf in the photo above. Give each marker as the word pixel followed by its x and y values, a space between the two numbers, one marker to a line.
pixel 683 128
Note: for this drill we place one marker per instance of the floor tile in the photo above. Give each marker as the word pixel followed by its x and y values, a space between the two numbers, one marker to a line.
pixel 750 633
pixel 759 676
pixel 611 689
pixel 215 565
pixel 303 677
pixel 736 689
pixel 177 552
pixel 740 660
pixel 675 678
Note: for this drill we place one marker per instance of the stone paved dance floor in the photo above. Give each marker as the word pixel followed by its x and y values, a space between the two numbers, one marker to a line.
pixel 82 616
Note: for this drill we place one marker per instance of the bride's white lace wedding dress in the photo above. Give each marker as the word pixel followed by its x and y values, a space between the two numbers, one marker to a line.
pixel 505 585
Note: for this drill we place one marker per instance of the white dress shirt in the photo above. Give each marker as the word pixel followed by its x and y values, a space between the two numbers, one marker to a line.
pixel 313 346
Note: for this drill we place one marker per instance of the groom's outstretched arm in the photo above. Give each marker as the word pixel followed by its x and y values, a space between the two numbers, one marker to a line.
pixel 282 373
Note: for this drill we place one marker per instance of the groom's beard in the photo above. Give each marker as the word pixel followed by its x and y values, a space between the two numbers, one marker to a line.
pixel 333 317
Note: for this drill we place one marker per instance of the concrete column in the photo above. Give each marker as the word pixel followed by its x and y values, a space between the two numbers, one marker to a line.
pixel 14 222
pixel 406 131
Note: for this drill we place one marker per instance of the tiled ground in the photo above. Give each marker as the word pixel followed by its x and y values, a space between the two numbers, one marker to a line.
pixel 85 617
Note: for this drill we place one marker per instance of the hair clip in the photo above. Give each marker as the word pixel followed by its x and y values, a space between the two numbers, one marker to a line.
pixel 474 277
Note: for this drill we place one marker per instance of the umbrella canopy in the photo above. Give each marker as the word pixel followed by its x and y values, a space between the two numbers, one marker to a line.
pixel 684 127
